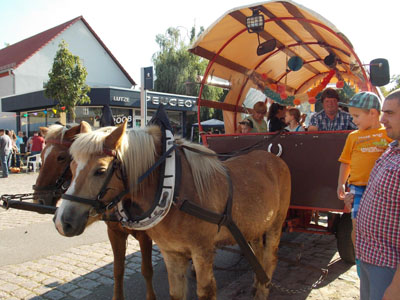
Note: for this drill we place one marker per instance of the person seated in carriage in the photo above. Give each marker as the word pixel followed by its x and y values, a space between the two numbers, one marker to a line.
pixel 257 118
pixel 245 126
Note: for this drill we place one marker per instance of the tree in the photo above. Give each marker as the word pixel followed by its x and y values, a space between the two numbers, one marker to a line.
pixel 67 81
pixel 177 70
pixel 395 84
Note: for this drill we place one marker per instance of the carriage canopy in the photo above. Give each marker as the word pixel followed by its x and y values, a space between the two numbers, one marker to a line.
pixel 309 51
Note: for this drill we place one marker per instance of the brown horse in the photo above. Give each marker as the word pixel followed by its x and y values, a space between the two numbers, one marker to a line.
pixel 55 171
pixel 261 195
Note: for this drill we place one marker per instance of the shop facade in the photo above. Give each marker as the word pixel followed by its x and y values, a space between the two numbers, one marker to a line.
pixel 34 110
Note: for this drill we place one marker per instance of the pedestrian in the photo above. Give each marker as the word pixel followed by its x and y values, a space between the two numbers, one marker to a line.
pixel 362 148
pixel 37 143
pixel 5 151
pixel 12 160
pixel 331 118
pixel 378 218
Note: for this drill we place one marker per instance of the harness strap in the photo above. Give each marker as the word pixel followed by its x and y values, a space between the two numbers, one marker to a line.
pixel 225 219
pixel 156 164
pixel 233 153
pixel 59 182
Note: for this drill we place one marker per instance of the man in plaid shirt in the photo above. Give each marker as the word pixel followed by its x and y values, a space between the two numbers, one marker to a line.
pixel 378 219
pixel 331 118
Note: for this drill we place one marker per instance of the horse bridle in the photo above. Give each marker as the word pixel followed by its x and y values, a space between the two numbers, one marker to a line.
pixel 62 183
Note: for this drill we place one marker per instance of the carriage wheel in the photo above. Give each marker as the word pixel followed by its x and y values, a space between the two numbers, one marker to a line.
pixel 343 236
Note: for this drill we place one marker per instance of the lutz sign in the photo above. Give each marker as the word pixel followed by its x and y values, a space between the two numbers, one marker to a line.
pixel 120 99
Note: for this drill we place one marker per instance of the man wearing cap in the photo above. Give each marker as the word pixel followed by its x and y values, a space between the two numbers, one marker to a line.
pixel 330 118
pixel 362 148
pixel 378 218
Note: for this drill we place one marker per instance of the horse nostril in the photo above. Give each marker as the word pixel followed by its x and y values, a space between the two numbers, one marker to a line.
pixel 67 228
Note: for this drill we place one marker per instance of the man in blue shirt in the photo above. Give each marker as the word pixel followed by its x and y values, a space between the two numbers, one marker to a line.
pixel 331 118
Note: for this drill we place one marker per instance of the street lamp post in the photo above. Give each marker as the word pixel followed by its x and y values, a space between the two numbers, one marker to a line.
pixel 146 84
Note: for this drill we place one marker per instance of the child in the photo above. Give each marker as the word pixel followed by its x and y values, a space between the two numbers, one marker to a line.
pixel 246 126
pixel 362 148
pixel 292 119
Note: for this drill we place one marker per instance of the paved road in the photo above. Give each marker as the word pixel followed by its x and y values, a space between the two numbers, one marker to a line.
pixel 37 263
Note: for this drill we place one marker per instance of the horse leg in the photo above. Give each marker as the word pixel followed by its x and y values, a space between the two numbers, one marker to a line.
pixel 118 243
pixel 176 264
pixel 206 284
pixel 269 259
pixel 146 245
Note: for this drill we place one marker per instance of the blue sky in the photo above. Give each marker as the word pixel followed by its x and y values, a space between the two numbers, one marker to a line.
pixel 129 27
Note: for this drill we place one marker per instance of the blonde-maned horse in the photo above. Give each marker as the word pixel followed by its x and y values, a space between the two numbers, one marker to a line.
pixel 55 166
pixel 261 195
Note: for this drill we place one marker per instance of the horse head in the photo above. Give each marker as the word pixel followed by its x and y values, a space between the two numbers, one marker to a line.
pixel 55 172
pixel 95 157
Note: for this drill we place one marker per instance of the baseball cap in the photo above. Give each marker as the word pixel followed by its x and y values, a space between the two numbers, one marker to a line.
pixel 247 122
pixel 364 100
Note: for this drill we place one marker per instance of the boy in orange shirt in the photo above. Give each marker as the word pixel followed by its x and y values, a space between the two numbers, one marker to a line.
pixel 362 148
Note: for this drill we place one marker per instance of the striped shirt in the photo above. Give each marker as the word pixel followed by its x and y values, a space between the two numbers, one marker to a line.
pixel 378 218
pixel 342 121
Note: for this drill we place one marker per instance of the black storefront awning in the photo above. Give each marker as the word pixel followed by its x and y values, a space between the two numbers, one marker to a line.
pixel 100 97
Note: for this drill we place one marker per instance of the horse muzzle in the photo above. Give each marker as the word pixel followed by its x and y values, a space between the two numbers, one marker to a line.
pixel 70 225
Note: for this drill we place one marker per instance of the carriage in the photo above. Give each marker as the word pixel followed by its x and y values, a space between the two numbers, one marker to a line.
pixel 288 53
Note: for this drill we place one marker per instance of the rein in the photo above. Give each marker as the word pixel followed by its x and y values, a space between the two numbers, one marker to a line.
pixel 59 185
pixel 233 153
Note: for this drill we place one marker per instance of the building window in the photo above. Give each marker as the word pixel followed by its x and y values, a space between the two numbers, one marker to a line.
pixel 122 114
pixel 91 115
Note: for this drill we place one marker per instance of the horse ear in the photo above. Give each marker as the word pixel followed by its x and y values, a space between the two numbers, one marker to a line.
pixel 44 130
pixel 85 127
pixel 70 133
pixel 114 140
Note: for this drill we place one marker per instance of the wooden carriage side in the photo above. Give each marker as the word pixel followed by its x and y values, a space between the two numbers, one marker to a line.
pixel 312 158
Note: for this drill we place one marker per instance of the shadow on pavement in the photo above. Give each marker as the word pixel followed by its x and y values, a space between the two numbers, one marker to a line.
pixel 302 256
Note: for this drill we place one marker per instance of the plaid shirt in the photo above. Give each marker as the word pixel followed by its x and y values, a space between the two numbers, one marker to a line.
pixel 378 219
pixel 342 121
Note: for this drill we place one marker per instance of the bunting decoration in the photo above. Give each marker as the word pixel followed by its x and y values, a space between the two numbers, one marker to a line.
pixel 314 92
pixel 277 92
pixel 277 97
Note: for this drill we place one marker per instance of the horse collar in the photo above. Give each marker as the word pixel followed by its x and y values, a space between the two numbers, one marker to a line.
pixel 164 196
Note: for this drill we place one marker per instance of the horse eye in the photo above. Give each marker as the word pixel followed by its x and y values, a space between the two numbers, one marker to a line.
pixel 100 172
pixel 61 158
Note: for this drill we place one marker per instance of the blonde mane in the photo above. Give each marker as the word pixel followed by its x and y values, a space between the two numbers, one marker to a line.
pixel 204 167
pixel 55 131
pixel 138 153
